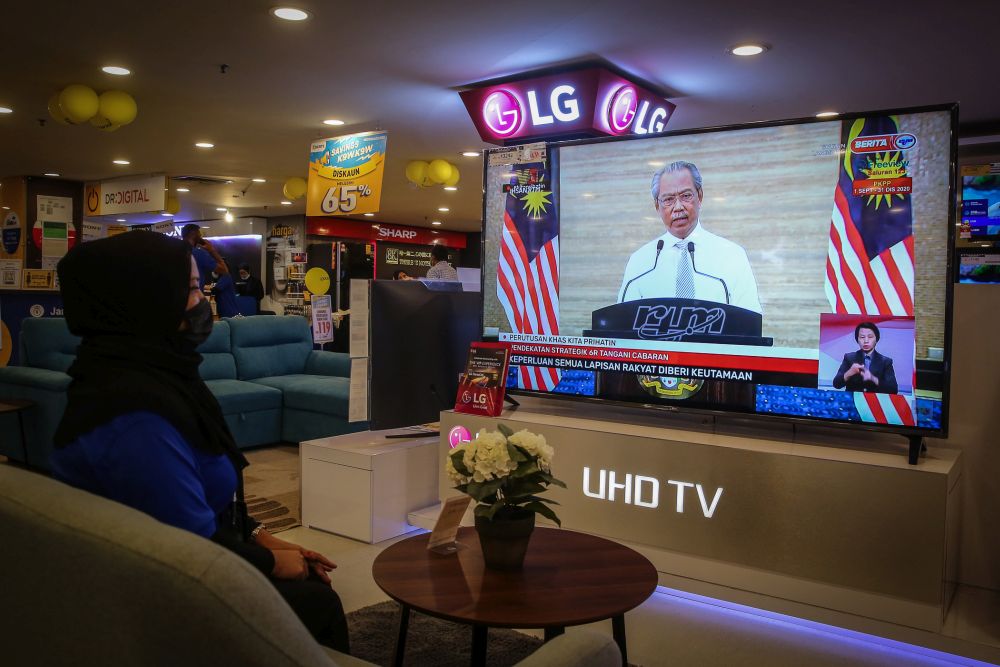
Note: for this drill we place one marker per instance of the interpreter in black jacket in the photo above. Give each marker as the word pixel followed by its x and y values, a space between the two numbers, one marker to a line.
pixel 866 369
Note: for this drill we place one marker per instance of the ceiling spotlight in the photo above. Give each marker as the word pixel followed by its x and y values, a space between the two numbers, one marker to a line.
pixel 827 114
pixel 290 14
pixel 470 153
pixel 436 222
pixel 6 110
pixel 52 174
pixel 183 190
pixel 451 188
pixel 259 180
pixel 286 203
pixel 120 220
pixel 121 162
pixel 204 144
pixel 228 217
pixel 333 121
pixel 443 209
pixel 222 210
pixel 369 215
pixel 748 49
pixel 169 215
pixel 117 71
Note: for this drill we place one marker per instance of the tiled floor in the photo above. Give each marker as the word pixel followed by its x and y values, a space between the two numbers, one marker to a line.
pixel 672 629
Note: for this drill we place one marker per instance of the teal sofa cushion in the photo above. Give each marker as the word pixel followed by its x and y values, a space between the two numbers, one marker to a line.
pixel 312 393
pixel 328 363
pixel 268 345
pixel 235 396
pixel 217 362
pixel 47 343
pixel 41 378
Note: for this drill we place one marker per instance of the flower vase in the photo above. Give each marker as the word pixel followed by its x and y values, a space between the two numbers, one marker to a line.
pixel 504 539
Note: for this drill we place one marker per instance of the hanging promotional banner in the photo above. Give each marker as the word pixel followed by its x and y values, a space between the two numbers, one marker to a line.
pixel 345 174
pixel 143 194
pixel 482 386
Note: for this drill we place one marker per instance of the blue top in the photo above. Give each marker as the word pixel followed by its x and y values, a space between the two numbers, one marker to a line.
pixel 206 264
pixel 225 297
pixel 140 460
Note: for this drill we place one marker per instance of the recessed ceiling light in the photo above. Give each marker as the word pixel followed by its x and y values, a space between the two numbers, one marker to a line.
pixel 117 71
pixel 6 208
pixel 443 209
pixel 748 49
pixel 286 203
pixel 52 174
pixel 166 213
pixel 470 153
pixel 6 110
pixel 827 114
pixel 259 180
pixel 369 215
pixel 436 222
pixel 120 220
pixel 204 144
pixel 222 210
pixel 121 162
pixel 290 13
pixel 333 121
pixel 451 188
pixel 183 190
pixel 229 217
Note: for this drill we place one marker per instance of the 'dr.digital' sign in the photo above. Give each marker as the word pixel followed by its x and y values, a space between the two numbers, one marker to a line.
pixel 593 101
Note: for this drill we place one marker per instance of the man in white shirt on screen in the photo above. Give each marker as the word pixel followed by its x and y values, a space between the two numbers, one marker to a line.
pixel 687 261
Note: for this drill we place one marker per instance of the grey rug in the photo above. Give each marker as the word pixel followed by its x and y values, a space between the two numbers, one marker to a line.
pixel 430 642
pixel 272 487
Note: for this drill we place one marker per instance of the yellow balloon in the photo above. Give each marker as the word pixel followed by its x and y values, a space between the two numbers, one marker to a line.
pixel 317 280
pixel 56 112
pixel 79 103
pixel 453 179
pixel 294 187
pixel 172 205
pixel 416 171
pixel 102 123
pixel 118 107
pixel 427 182
pixel 439 171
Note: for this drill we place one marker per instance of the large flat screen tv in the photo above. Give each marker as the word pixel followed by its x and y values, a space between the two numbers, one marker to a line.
pixel 795 269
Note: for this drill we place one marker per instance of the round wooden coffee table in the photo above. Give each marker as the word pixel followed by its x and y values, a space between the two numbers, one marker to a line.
pixel 568 579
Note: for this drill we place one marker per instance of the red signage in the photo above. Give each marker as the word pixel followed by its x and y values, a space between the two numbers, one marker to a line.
pixel 883 142
pixel 482 385
pixel 592 101
pixel 353 229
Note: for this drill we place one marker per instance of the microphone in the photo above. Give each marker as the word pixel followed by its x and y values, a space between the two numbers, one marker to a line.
pixel 659 248
pixel 695 269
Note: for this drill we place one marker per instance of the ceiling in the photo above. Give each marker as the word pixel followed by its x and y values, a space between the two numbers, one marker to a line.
pixel 397 66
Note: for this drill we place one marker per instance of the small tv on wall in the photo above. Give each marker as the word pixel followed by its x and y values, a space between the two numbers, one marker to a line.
pixel 792 269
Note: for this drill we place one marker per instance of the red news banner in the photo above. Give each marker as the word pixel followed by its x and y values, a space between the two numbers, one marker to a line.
pixel 702 365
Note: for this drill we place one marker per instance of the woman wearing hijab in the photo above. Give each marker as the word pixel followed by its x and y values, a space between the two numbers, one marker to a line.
pixel 141 427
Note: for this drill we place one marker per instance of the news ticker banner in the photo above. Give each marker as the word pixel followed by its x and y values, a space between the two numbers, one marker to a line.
pixel 345 174
pixel 735 363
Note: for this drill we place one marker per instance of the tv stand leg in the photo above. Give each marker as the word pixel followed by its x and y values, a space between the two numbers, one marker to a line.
pixel 917 447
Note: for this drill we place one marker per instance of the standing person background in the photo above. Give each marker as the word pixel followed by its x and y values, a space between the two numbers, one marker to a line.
pixel 141 427
pixel 440 268
pixel 205 255
pixel 224 292
pixel 249 284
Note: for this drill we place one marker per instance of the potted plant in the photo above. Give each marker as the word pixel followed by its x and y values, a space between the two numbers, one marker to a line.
pixel 504 472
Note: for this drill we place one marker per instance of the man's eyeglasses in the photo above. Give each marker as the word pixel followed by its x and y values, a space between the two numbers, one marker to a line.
pixel 686 198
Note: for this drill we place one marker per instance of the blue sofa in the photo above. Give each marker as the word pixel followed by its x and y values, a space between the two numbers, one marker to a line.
pixel 270 382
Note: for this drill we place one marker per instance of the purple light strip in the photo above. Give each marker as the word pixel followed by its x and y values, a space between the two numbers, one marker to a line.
pixel 929 656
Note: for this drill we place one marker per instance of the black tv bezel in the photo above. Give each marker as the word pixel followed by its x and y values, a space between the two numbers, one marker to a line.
pixel 552 148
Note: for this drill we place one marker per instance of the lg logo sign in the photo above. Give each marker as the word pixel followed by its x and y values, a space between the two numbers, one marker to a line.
pixel 503 113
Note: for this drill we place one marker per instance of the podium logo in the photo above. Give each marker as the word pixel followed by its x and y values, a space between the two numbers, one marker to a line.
pixel 673 323
pixel 644 491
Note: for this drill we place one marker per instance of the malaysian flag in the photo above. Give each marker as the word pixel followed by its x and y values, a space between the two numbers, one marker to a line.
pixel 869 266
pixel 528 268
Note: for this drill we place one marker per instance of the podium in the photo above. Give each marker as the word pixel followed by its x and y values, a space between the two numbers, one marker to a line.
pixel 678 320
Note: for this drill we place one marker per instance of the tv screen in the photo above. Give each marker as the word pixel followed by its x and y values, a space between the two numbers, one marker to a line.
pixel 796 269
pixel 979 267
pixel 981 201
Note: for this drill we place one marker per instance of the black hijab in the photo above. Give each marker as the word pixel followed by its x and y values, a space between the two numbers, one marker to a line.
pixel 126 297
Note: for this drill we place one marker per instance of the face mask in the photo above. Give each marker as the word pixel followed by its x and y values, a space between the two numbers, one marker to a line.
pixel 199 323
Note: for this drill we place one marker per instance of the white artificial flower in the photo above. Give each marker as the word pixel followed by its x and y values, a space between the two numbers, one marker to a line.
pixel 455 476
pixel 536 446
pixel 491 459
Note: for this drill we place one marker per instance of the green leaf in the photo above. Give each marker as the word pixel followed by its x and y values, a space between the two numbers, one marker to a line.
pixel 540 500
pixel 506 430
pixel 528 455
pixel 456 460
pixel 462 487
pixel 515 454
pixel 549 479
pixel 522 488
pixel 525 470
pixel 544 511
pixel 487 511
pixel 479 490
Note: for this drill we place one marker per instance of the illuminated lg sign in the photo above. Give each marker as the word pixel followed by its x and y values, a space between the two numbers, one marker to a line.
pixel 502 113
pixel 457 436
pixel 622 109
pixel 592 101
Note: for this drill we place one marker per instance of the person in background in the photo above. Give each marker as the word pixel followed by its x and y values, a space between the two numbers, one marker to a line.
pixel 249 285
pixel 204 253
pixel 224 292
pixel 440 268
pixel 142 429
pixel 400 274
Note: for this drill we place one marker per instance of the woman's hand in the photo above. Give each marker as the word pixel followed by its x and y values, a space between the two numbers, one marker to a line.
pixel 316 562
pixel 289 564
